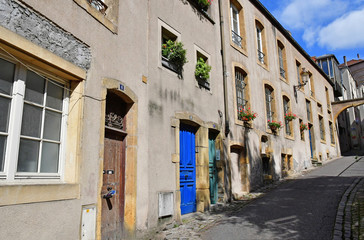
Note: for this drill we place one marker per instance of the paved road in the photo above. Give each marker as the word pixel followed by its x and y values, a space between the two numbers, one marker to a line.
pixel 304 208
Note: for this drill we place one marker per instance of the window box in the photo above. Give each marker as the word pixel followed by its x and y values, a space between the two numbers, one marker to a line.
pixel 203 82
pixel 171 66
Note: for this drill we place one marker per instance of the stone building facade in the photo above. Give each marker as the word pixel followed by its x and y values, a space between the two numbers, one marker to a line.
pixel 104 137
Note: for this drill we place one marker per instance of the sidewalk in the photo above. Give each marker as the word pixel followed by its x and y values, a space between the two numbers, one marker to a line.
pixel 357 223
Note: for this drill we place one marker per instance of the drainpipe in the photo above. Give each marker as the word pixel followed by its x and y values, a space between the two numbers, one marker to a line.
pixel 224 75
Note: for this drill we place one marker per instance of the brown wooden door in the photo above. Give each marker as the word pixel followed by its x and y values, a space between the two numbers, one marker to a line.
pixel 113 179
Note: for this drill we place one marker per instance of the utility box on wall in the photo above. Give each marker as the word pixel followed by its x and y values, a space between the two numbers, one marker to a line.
pixel 165 204
pixel 88 224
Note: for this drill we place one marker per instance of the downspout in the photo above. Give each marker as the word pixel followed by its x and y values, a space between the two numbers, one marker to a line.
pixel 224 75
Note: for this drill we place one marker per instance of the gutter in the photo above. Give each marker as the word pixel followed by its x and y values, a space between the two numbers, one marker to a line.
pixel 224 74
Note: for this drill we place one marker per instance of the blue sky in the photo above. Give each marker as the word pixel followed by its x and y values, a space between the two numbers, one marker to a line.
pixel 323 26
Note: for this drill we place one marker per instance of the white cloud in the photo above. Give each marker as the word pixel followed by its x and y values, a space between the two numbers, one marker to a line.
pixel 310 36
pixel 300 14
pixel 344 32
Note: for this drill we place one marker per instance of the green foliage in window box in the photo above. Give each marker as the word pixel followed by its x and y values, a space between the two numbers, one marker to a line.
pixel 175 53
pixel 274 125
pixel 202 70
pixel 203 4
pixel 303 126
pixel 247 115
pixel 290 116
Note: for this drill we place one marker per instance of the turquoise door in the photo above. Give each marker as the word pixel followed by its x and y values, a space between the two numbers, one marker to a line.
pixel 187 169
pixel 212 171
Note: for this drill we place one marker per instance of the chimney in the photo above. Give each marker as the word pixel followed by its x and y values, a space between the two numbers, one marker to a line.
pixel 346 63
pixel 358 56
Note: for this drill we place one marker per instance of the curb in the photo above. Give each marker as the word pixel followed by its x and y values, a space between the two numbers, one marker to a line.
pixel 342 228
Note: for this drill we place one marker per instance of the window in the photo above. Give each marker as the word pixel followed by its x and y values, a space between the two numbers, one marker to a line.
pixel 167 35
pixel 286 110
pixel 319 108
pixel 302 132
pixel 298 70
pixel 308 109
pixel 237 24
pixel 269 102
pixel 39 114
pixel 260 42
pixel 331 68
pixel 240 86
pixel 203 67
pixel 332 137
pixel 327 98
pixel 311 85
pixel 282 60
pixel 322 128
pixel 324 66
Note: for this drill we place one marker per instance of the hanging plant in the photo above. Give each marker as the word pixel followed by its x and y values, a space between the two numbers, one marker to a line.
pixel 204 4
pixel 247 115
pixel 290 116
pixel 202 70
pixel 274 125
pixel 303 126
pixel 175 53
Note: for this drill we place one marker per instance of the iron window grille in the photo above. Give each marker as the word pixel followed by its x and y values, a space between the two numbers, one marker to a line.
pixel 261 56
pixel 98 5
pixel 237 39
pixel 240 91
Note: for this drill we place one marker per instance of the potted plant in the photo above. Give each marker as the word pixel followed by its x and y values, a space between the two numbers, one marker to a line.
pixel 247 115
pixel 173 55
pixel 203 4
pixel 290 116
pixel 303 127
pixel 274 125
pixel 202 72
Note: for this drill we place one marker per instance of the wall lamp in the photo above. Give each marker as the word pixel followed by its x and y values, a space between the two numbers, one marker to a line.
pixel 304 75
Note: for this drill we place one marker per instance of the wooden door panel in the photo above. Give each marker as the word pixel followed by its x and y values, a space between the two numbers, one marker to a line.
pixel 113 178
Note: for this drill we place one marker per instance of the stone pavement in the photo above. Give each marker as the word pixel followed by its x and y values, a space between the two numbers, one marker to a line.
pixel 357 209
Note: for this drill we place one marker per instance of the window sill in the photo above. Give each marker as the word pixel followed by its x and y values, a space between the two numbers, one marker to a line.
pixel 238 48
pixel 203 84
pixel 97 15
pixel 285 80
pixel 323 141
pixel 246 124
pixel 263 65
pixel 289 137
pixel 333 145
pixel 22 193
pixel 203 13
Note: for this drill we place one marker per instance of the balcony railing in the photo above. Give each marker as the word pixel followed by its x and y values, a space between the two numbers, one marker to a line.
pixel 282 72
pixel 236 38
pixel 261 56
pixel 99 5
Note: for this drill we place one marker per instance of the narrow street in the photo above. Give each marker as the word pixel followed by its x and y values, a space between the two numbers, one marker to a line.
pixel 301 208
pixel 304 208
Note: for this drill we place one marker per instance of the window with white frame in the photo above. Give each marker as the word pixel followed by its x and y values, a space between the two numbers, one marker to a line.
pixel 235 25
pixel 32 123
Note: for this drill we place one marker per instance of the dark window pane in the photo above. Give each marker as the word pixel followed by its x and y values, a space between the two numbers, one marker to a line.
pixel 6 76
pixel 34 91
pixel 28 156
pixel 54 96
pixel 2 152
pixel 325 67
pixel 4 114
pixel 32 121
pixel 52 125
pixel 50 156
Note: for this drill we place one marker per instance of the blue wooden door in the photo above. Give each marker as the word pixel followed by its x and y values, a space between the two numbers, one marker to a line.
pixel 309 134
pixel 187 169
pixel 212 171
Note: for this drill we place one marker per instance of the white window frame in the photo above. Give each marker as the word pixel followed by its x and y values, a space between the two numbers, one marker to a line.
pixel 10 173
pixel 232 9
